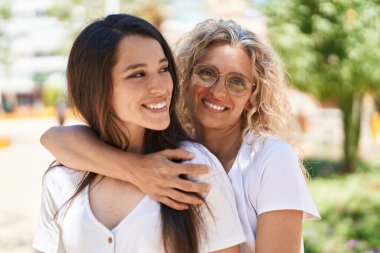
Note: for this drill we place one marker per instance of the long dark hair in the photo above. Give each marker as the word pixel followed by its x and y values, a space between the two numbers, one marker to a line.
pixel 90 88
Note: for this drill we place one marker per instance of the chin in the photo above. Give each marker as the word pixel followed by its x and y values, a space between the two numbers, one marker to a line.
pixel 160 125
pixel 208 123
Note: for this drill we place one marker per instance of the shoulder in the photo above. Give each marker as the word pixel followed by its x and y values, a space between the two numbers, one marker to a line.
pixel 203 156
pixel 61 174
pixel 275 147
pixel 267 157
pixel 270 148
pixel 198 149
pixel 60 180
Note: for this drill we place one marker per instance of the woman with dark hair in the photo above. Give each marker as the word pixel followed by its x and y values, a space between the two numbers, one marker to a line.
pixel 122 81
pixel 233 100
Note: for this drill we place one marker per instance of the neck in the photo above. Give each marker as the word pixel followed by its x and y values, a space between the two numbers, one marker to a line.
pixel 223 143
pixel 135 139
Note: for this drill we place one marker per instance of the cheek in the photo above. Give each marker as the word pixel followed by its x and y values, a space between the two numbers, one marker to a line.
pixel 247 105
pixel 197 92
pixel 243 104
pixel 170 84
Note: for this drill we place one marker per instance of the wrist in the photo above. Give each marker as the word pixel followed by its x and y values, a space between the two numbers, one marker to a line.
pixel 125 168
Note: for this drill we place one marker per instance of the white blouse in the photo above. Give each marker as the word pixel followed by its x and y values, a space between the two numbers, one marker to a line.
pixel 266 176
pixel 76 229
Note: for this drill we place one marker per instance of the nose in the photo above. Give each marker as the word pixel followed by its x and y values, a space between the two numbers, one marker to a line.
pixel 218 90
pixel 160 84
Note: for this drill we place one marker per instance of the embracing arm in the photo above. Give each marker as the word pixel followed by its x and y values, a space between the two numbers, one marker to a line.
pixel 279 231
pixel 155 174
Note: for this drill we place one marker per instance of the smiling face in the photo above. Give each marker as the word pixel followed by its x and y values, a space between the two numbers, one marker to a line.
pixel 142 85
pixel 213 107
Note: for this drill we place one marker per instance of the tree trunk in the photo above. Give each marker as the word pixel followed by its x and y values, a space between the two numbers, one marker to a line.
pixel 352 111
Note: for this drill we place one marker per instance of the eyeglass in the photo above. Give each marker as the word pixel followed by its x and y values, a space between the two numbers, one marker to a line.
pixel 207 76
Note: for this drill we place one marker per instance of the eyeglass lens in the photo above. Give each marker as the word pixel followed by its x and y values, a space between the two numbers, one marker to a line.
pixel 208 75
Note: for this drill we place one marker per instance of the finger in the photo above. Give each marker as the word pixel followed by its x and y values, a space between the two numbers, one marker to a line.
pixel 177 154
pixel 172 203
pixel 191 169
pixel 185 198
pixel 190 186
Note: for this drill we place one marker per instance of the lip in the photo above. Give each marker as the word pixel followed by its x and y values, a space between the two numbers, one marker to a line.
pixel 211 104
pixel 156 105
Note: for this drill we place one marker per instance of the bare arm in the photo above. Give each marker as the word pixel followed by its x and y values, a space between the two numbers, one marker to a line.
pixel 155 174
pixel 279 231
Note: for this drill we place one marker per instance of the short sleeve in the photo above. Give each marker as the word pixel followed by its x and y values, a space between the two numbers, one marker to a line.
pixel 46 238
pixel 282 184
pixel 220 217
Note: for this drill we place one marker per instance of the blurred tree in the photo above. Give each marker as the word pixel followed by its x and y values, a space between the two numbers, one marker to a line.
pixel 74 14
pixel 84 11
pixel 152 10
pixel 331 50
pixel 5 15
pixel 5 59
pixel 53 88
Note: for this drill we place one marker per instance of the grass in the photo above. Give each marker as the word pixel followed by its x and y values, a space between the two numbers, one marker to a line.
pixel 350 209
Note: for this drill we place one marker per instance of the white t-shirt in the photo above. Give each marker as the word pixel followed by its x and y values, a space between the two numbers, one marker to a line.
pixel 77 229
pixel 266 176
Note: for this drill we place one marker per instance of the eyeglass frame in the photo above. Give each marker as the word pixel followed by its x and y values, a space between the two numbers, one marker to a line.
pixel 225 79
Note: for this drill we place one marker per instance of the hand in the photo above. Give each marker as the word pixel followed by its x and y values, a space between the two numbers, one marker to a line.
pixel 158 177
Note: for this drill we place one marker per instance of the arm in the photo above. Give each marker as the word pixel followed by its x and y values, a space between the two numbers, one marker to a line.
pixel 281 200
pixel 155 174
pixel 279 231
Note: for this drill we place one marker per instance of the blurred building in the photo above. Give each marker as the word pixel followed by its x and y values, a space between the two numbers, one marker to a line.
pixel 32 41
pixel 182 16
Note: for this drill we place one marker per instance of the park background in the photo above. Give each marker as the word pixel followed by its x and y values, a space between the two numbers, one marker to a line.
pixel 331 50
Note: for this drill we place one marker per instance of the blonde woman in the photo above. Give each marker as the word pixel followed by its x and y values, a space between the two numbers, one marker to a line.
pixel 233 101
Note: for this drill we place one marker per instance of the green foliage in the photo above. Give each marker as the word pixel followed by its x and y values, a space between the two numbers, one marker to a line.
pixel 50 95
pixel 151 10
pixel 53 86
pixel 350 208
pixel 5 15
pixel 74 11
pixel 40 78
pixel 5 11
pixel 322 168
pixel 318 168
pixel 330 49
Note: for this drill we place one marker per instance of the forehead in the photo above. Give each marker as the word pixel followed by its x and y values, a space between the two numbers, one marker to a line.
pixel 139 49
pixel 228 58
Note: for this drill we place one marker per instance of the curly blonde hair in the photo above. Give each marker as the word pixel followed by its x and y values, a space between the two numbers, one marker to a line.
pixel 270 112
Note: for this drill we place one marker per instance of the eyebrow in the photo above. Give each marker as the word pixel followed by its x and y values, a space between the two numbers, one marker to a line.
pixel 139 65
pixel 231 73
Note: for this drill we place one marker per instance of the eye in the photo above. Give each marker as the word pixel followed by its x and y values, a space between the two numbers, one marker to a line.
pixel 206 72
pixel 137 75
pixel 164 69
pixel 237 83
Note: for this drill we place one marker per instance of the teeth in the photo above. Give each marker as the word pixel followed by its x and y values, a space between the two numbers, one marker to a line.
pixel 215 107
pixel 156 106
